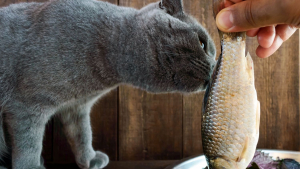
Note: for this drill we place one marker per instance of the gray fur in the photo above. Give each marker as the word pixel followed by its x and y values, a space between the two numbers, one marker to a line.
pixel 59 57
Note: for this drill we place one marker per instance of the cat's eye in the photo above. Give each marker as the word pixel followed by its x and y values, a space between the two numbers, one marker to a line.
pixel 202 45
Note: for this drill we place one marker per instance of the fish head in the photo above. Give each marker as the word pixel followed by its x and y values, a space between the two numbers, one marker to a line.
pixel 221 163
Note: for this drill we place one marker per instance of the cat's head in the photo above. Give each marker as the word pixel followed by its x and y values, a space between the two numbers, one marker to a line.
pixel 183 52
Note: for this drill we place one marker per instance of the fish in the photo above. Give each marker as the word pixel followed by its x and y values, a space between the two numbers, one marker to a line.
pixel 231 111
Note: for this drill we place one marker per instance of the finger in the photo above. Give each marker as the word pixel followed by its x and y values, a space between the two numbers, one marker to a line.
pixel 266 36
pixel 252 32
pixel 285 31
pixel 266 52
pixel 251 14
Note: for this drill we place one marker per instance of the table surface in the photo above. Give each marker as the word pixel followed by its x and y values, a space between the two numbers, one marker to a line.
pixel 122 165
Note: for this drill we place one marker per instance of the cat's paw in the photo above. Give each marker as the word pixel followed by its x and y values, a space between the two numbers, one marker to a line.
pixel 99 161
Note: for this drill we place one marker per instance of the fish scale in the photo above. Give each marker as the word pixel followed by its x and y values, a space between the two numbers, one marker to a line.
pixel 231 111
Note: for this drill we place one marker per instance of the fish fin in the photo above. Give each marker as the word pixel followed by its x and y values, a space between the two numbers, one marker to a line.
pixel 244 151
pixel 249 61
pixel 257 117
pixel 250 67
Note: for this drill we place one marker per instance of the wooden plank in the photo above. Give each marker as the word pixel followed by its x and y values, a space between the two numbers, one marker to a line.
pixel 104 119
pixel 192 103
pixel 62 152
pixel 283 112
pixel 150 125
pixel 192 140
pixel 8 2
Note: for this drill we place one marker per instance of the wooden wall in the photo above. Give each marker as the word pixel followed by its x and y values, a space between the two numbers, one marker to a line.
pixel 131 124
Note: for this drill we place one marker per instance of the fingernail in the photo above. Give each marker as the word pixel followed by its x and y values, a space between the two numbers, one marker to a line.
pixel 225 20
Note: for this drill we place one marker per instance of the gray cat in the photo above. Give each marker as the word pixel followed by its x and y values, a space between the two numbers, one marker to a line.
pixel 59 57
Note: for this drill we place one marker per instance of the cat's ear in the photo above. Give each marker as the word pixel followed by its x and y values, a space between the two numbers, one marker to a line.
pixel 172 6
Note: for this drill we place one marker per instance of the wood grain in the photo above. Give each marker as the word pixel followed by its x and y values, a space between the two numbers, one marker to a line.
pixel 8 2
pixel 104 121
pixel 283 108
pixel 192 103
pixel 61 149
pixel 150 125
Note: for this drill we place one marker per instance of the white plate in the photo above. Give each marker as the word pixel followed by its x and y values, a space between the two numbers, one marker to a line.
pixel 199 162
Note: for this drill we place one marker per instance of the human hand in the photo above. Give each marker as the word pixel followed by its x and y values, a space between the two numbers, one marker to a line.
pixel 272 21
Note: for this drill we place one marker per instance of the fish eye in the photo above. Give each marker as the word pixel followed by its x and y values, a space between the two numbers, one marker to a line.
pixel 202 45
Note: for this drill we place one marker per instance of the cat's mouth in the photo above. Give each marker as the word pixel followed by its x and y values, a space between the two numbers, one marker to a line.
pixel 203 85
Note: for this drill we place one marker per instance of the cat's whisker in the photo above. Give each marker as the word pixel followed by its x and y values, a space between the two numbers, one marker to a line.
pixel 199 69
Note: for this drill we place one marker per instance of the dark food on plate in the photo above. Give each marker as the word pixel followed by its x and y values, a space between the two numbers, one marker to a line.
pixel 264 161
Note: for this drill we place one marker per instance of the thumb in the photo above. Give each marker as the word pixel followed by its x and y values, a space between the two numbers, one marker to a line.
pixel 251 14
